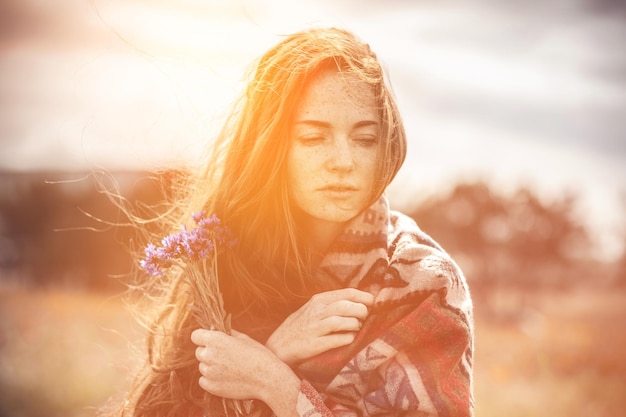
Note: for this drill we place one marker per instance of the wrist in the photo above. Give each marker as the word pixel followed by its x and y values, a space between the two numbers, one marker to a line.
pixel 281 390
pixel 286 359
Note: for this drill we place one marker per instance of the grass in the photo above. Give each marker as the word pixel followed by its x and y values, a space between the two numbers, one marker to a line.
pixel 62 353
pixel 551 354
pixel 537 354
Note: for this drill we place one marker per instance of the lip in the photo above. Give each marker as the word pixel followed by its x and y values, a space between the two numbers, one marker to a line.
pixel 339 191
pixel 338 188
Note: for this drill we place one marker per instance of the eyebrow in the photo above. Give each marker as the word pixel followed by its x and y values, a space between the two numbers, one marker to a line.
pixel 318 123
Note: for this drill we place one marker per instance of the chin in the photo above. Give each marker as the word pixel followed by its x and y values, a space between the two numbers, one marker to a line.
pixel 339 216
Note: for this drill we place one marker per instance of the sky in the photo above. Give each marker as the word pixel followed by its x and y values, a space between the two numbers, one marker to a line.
pixel 514 92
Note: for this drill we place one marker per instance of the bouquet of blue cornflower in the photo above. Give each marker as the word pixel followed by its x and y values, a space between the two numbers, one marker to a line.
pixel 197 248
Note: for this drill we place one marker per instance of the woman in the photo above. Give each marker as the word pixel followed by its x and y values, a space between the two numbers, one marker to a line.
pixel 339 305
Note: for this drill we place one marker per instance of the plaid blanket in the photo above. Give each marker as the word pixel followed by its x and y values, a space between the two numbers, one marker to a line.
pixel 413 355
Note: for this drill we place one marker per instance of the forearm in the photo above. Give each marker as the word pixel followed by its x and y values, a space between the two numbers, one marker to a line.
pixel 281 390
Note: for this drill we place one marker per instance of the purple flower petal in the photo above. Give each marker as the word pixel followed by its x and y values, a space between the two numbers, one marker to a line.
pixel 188 244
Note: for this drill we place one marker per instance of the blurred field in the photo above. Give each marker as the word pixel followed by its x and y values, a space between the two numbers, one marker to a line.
pixel 62 353
pixel 537 354
pixel 551 354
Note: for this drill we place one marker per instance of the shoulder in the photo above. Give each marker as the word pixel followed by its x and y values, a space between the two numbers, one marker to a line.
pixel 421 265
pixel 403 227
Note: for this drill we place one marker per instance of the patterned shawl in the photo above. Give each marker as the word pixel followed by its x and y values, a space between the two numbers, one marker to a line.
pixel 413 355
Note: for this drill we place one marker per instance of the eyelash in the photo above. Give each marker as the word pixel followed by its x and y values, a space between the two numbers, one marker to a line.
pixel 311 140
pixel 368 140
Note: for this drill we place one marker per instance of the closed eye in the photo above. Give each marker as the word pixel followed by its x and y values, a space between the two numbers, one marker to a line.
pixel 366 140
pixel 311 139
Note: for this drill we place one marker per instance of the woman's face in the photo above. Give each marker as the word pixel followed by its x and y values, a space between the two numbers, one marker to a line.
pixel 333 151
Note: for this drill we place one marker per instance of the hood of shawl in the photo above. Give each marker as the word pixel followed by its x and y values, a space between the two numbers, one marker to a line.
pixel 385 252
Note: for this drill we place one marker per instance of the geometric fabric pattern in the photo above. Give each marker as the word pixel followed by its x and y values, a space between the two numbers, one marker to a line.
pixel 413 355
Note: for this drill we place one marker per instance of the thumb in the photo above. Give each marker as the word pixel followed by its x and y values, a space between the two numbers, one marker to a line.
pixel 239 335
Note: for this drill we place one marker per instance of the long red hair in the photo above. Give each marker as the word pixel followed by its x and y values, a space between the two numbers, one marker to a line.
pixel 243 182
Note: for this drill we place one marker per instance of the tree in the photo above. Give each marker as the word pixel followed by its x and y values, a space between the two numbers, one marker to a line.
pixel 516 240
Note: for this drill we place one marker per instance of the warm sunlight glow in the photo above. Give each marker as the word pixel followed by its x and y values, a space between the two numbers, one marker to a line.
pixel 516 165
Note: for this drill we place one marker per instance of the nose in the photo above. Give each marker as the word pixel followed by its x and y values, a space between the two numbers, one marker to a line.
pixel 341 157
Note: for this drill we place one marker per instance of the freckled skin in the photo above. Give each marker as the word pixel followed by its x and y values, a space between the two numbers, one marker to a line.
pixel 333 153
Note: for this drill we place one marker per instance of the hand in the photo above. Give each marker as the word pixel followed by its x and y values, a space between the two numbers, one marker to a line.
pixel 238 367
pixel 328 320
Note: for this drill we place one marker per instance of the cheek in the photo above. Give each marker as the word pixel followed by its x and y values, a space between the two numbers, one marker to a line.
pixel 369 164
pixel 302 164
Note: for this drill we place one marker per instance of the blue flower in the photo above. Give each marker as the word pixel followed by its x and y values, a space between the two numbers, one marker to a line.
pixel 188 245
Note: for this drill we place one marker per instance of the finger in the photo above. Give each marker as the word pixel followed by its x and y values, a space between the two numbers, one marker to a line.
pixel 201 353
pixel 204 337
pixel 203 368
pixel 239 335
pixel 335 340
pixel 340 324
pixel 205 385
pixel 351 294
pixel 347 308
pixel 200 337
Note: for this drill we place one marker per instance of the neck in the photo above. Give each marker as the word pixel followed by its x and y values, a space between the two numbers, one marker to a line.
pixel 323 235
pixel 319 235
